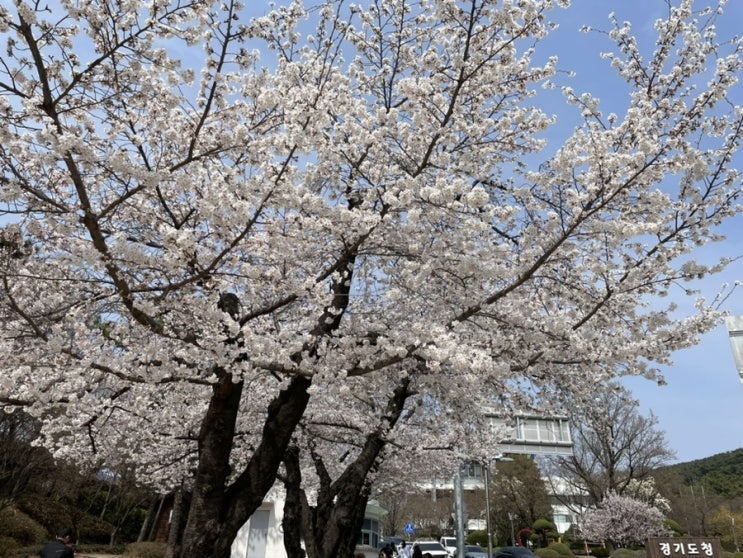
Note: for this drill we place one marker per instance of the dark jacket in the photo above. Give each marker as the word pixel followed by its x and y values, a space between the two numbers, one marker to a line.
pixel 57 549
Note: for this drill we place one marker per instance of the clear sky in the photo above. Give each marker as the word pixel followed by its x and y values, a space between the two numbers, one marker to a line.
pixel 701 408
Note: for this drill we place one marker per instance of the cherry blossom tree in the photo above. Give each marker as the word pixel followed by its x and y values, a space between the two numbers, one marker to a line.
pixel 217 227
pixel 622 521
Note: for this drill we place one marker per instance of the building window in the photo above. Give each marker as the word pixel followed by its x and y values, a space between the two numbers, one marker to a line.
pixel 472 470
pixel 369 533
pixel 549 431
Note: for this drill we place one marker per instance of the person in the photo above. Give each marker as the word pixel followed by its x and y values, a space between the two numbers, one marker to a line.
pixel 417 553
pixel 404 550
pixel 61 546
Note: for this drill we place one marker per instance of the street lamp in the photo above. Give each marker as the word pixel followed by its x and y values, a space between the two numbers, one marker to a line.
pixel 487 511
pixel 487 501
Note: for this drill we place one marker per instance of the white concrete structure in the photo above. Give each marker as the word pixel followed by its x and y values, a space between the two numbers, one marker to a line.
pixel 263 536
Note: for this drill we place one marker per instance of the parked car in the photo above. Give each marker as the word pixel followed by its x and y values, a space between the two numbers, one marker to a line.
pixel 474 551
pixel 435 549
pixel 514 552
pixel 392 541
pixel 450 544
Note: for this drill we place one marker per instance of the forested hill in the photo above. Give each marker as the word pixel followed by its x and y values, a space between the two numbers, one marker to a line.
pixel 719 474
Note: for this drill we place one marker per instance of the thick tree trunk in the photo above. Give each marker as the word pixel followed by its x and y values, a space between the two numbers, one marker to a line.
pixel 293 505
pixel 331 528
pixel 217 510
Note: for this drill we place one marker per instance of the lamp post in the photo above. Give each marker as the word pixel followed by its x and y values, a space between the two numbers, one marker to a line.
pixel 488 520
pixel 487 511
pixel 459 510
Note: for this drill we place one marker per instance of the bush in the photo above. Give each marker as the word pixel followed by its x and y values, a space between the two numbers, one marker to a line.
pixel 117 549
pixel 546 553
pixel 8 547
pixel 145 550
pixel 561 548
pixel 600 552
pixel 478 537
pixel 53 514
pixel 21 528
pixel 627 553
pixel 674 526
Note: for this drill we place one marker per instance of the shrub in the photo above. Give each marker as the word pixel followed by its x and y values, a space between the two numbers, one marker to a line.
pixel 600 552
pixel 674 526
pixel 145 550
pixel 627 553
pixel 93 530
pixel 8 547
pixel 21 528
pixel 478 537
pixel 546 553
pixel 53 514
pixel 561 548
pixel 116 549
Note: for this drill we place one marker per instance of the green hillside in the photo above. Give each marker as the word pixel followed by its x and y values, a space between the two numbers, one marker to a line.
pixel 720 474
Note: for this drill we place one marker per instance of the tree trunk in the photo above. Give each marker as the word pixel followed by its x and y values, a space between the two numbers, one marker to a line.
pixel 175 524
pixel 331 528
pixel 153 525
pixel 217 513
pixel 148 518
pixel 293 505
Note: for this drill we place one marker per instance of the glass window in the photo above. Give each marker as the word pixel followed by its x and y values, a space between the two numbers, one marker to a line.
pixel 369 532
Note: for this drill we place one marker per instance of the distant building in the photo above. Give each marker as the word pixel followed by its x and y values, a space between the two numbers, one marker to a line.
pixel 569 503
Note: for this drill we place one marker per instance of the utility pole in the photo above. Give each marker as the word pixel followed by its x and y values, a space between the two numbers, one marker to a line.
pixel 487 511
pixel 459 510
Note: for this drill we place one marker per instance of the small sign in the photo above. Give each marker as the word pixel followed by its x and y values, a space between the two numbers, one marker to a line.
pixel 409 529
pixel 687 547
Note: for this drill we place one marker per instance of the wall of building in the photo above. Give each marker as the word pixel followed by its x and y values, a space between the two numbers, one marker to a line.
pixel 262 536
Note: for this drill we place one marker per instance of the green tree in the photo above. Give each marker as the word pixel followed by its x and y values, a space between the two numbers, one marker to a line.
pixel 518 494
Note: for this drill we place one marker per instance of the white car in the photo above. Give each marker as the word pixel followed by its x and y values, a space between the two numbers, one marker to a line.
pixel 450 544
pixel 435 549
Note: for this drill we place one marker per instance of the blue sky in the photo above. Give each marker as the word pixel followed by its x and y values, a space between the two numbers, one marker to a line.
pixel 700 408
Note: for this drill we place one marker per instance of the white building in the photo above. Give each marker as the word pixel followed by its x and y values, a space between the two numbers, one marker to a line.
pixel 569 503
pixel 263 536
